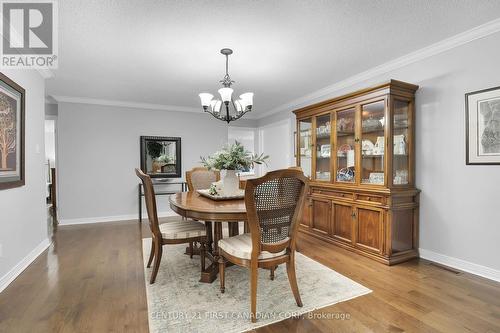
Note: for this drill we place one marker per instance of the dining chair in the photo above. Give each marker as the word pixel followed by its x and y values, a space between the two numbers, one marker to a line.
pixel 274 203
pixel 176 231
pixel 274 268
pixel 200 178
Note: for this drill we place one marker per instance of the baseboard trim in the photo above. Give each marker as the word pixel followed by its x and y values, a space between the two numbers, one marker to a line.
pixel 466 266
pixel 103 219
pixel 23 264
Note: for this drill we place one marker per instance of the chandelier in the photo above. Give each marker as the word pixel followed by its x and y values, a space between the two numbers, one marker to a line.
pixel 233 109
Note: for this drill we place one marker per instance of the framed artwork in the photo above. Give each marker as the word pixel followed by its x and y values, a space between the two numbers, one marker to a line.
pixel 161 156
pixel 482 109
pixel 12 101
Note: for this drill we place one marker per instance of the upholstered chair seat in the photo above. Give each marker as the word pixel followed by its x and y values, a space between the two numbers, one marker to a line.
pixel 179 229
pixel 241 247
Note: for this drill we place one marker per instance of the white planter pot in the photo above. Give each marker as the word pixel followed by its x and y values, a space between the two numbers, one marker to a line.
pixel 230 182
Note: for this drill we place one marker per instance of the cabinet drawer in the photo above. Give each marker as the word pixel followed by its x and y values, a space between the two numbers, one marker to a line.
pixel 331 193
pixel 370 198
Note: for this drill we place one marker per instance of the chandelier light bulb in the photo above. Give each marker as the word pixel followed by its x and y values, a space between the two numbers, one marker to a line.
pixel 205 99
pixel 212 104
pixel 217 106
pixel 238 105
pixel 225 94
pixel 247 99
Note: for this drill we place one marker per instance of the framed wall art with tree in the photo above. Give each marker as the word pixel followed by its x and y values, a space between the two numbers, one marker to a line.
pixel 482 109
pixel 12 136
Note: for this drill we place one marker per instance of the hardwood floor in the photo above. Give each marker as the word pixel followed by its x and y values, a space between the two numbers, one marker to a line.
pixel 91 280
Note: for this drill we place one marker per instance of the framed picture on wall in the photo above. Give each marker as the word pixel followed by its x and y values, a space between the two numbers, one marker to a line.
pixel 11 133
pixel 161 156
pixel 482 109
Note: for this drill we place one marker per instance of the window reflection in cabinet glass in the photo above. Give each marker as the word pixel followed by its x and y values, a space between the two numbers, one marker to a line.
pixel 323 130
pixel 305 145
pixel 345 145
pixel 400 164
pixel 372 143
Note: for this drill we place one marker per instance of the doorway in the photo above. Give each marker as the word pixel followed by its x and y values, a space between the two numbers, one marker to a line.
pixel 50 172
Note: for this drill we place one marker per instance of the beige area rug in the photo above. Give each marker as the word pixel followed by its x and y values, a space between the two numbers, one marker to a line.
pixel 178 302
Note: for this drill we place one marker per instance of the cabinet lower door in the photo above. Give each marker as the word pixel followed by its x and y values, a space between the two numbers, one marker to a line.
pixel 321 215
pixel 305 218
pixel 342 228
pixel 369 228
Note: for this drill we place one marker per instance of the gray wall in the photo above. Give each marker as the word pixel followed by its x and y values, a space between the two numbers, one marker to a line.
pixel 23 217
pixel 98 149
pixel 51 109
pixel 459 216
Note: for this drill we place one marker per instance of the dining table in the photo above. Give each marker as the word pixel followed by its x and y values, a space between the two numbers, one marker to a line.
pixel 212 212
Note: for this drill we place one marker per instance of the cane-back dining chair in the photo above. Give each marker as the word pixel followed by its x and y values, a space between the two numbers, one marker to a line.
pixel 177 231
pixel 274 203
pixel 200 178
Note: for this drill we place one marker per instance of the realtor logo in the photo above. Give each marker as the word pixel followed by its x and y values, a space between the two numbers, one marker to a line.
pixel 29 32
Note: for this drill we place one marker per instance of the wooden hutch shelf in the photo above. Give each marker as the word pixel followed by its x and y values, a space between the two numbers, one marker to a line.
pixel 358 151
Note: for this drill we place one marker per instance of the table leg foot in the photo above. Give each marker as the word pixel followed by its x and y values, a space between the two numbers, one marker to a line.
pixel 209 275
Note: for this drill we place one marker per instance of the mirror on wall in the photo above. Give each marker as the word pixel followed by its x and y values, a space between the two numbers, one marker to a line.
pixel 161 156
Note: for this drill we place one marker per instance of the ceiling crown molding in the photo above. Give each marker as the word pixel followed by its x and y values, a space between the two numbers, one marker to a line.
pixel 125 104
pixel 426 52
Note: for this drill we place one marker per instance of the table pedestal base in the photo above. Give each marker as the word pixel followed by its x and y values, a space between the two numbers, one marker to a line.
pixel 209 275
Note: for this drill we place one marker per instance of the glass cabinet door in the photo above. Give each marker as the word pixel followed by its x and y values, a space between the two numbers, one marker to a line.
pixel 400 125
pixel 305 146
pixel 323 134
pixel 372 143
pixel 345 145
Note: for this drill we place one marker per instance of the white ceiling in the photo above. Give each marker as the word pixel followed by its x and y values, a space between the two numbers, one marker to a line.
pixel 166 52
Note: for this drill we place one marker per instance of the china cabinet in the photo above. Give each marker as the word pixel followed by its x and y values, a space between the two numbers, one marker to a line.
pixel 358 151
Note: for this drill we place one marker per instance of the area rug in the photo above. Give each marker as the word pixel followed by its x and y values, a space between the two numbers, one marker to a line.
pixel 178 302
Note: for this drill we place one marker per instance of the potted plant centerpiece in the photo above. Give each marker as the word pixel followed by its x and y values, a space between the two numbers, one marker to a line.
pixel 231 159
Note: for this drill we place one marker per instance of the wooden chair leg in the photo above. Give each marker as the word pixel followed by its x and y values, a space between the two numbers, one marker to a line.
pixel 152 253
pixel 246 228
pixel 191 250
pixel 253 290
pixel 158 253
pixel 222 266
pixel 292 278
pixel 202 255
pixel 272 273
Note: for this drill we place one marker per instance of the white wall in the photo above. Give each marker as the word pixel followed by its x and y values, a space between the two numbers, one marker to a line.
pixel 98 149
pixel 23 217
pixel 459 217
pixel 275 141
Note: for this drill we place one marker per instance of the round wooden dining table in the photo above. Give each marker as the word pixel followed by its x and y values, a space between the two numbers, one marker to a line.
pixel 194 206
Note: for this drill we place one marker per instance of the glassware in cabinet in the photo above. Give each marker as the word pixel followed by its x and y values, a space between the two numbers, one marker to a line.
pixel 305 145
pixel 323 148
pixel 345 145
pixel 373 143
pixel 401 136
